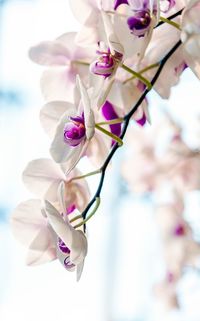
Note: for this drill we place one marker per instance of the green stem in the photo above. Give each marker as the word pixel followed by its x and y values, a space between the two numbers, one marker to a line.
pixel 79 62
pixel 111 122
pixel 170 22
pixel 137 75
pixel 86 175
pixel 76 218
pixel 142 71
pixel 106 132
pixel 98 200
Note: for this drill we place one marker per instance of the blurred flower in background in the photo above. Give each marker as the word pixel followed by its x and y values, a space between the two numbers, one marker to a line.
pixel 143 262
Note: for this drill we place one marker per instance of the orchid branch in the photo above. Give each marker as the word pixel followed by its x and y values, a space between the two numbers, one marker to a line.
pixel 127 119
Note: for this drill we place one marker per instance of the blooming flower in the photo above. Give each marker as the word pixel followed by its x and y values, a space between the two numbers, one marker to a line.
pixel 65 60
pixel 42 177
pixel 48 233
pixel 190 35
pixel 74 130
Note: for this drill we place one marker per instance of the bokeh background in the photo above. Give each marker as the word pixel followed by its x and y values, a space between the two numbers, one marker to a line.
pixel 125 256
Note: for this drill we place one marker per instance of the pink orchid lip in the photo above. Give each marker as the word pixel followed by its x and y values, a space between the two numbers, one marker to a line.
pixel 179 230
pixel 71 209
pixel 68 264
pixel 62 247
pixel 65 250
pixel 106 63
pixel 117 3
pixel 170 5
pixel 74 131
pixel 139 23
pixel 109 113
pixel 142 120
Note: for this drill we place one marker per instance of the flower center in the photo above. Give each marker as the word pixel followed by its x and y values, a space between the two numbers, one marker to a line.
pixel 62 247
pixel 105 64
pixel 179 230
pixel 65 250
pixel 139 23
pixel 74 131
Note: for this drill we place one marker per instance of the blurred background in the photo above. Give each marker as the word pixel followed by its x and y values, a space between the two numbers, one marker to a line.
pixel 125 258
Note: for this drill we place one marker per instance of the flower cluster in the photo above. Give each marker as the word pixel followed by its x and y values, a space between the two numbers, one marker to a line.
pixel 95 83
pixel 169 176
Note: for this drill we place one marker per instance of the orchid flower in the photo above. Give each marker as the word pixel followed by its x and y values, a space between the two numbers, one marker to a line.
pixel 190 35
pixel 110 57
pixel 65 60
pixel 72 243
pixel 48 234
pixel 30 227
pixel 59 118
pixel 42 177
pixel 74 130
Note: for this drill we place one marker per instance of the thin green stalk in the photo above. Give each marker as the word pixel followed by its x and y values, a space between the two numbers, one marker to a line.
pixel 170 22
pixel 137 75
pixel 106 132
pixel 76 218
pixel 86 175
pixel 142 71
pixel 79 62
pixel 111 122
pixel 98 200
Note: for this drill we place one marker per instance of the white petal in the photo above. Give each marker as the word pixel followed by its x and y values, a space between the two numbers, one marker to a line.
pixel 113 40
pixel 49 53
pixel 59 150
pixel 88 113
pixel 51 113
pixel 63 229
pixel 75 240
pixel 42 249
pixel 42 177
pixel 27 221
pixel 61 197
pixel 57 83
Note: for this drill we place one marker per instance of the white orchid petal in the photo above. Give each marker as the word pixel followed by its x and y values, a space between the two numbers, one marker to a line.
pixel 42 249
pixel 61 197
pixel 63 229
pixel 49 53
pixel 79 270
pixel 51 113
pixel 88 113
pixel 60 151
pixel 27 220
pixel 57 83
pixel 42 175
pixel 78 247
pixel 112 39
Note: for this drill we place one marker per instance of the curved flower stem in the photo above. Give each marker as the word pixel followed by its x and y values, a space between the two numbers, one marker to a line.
pixel 98 200
pixel 143 71
pixel 76 218
pixel 111 122
pixel 137 75
pixel 98 171
pixel 106 132
pixel 170 22
pixel 127 119
pixel 178 13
